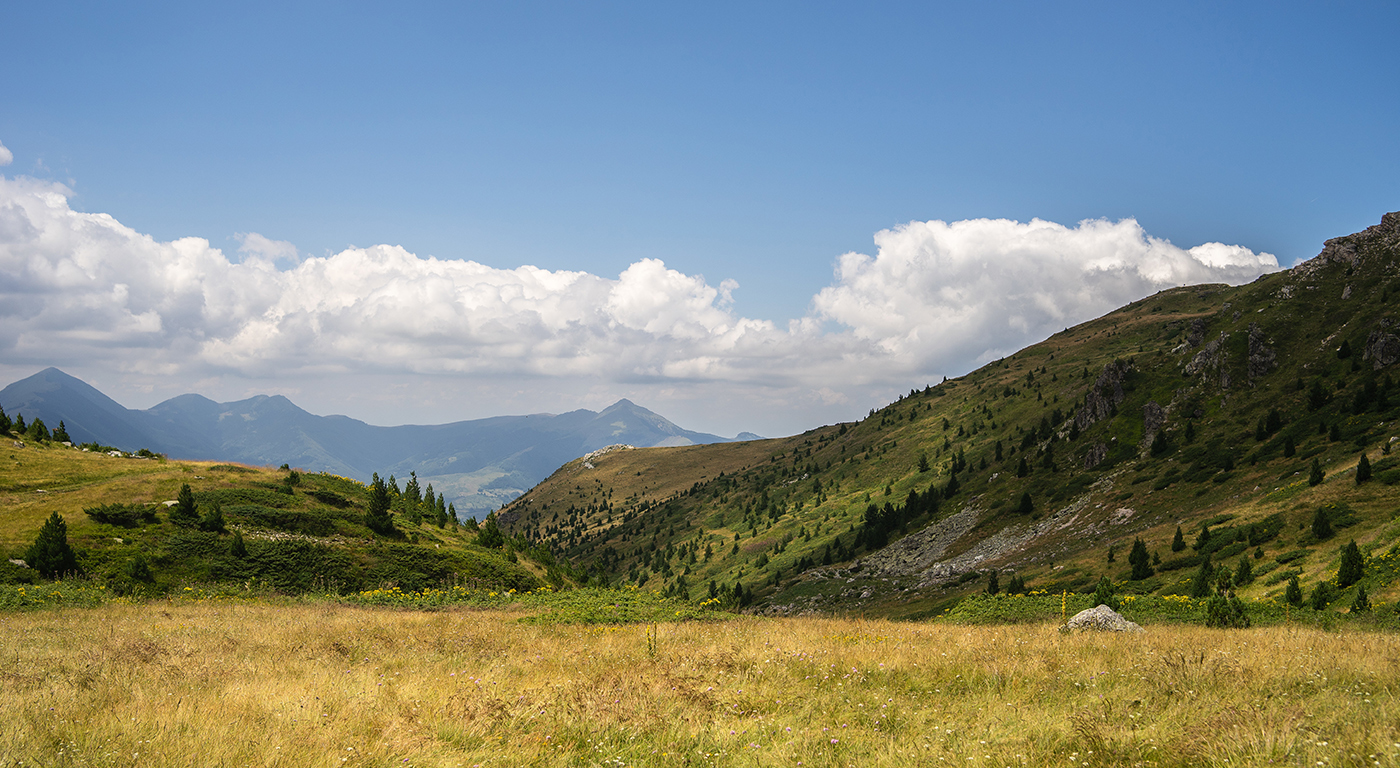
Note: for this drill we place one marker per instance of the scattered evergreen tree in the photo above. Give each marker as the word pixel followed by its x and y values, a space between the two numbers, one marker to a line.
pixel 490 536
pixel 1140 560
pixel 1104 594
pixel 1202 538
pixel 452 515
pixel 19 426
pixel 1321 524
pixel 184 513
pixel 140 570
pixel 1110 553
pixel 993 585
pixel 1244 574
pixel 1224 609
pixel 1362 603
pixel 1321 596
pixel 1190 436
pixel 213 519
pixel 1016 586
pixel 1178 542
pixel 923 462
pixel 1344 351
pixel 50 553
pixel 238 549
pixel 1353 565
pixel 951 489
pixel 1293 595
pixel 1022 468
pixel 377 517
pixel 5 422
pixel 1200 585
pixel 1289 449
pixel 1026 506
pixel 1363 470
pixel 1334 433
pixel 37 430
pixel 1159 443
pixel 1315 474
pixel 60 435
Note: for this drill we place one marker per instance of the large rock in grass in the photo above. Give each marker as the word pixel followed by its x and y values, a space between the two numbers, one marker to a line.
pixel 1102 619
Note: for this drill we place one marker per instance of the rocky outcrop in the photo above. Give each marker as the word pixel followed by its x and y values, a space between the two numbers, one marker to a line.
pixel 1103 398
pixel 1352 250
pixel 1210 362
pixel 1095 455
pixel 1101 619
pixel 1153 417
pixel 1262 357
pixel 1382 346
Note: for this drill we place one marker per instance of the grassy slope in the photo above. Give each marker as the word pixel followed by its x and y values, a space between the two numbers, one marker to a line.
pixel 640 515
pixel 311 538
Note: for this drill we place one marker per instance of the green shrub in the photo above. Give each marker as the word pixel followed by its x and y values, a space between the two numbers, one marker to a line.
pixel 122 515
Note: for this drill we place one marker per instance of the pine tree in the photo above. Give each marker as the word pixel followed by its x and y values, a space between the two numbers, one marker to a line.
pixel 1321 596
pixel 184 513
pixel 1023 469
pixel 923 462
pixel 993 585
pixel 50 554
pixel 1362 603
pixel 1289 449
pixel 1140 560
pixel 1353 565
pixel 37 430
pixel 1026 506
pixel 19 426
pixel 1178 542
pixel 1224 609
pixel 213 519
pixel 1293 595
pixel 377 517
pixel 238 549
pixel 1104 594
pixel 1244 574
pixel 1203 538
pixel 1315 474
pixel 60 435
pixel 1200 585
pixel 5 422
pixel 1321 524
pixel 1363 470
pixel 490 535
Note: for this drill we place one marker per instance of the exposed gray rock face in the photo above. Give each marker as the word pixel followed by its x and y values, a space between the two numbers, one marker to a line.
pixel 1153 417
pixel 1211 361
pixel 1353 249
pixel 1262 357
pixel 1382 347
pixel 1095 455
pixel 1104 396
pixel 1101 619
pixel 1197 333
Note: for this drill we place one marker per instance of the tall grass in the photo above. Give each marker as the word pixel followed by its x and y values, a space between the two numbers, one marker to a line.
pixel 175 683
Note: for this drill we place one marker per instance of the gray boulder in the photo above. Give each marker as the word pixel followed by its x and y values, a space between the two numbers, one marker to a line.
pixel 1101 619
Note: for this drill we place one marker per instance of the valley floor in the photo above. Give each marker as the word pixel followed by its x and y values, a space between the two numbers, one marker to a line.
pixel 171 683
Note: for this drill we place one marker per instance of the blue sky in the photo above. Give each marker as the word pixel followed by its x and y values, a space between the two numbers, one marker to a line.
pixel 734 142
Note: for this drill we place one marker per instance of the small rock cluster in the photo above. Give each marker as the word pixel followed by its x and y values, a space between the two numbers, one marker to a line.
pixel 1101 619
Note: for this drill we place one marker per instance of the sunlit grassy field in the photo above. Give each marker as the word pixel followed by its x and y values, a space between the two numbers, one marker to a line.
pixel 233 682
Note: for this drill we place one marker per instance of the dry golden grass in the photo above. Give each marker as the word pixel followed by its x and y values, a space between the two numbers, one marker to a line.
pixel 180 684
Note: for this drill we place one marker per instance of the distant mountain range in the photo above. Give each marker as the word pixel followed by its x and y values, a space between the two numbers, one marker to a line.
pixel 478 465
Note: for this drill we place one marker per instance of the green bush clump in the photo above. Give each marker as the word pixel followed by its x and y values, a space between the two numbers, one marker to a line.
pixel 122 515
pixel 229 497
pixel 311 523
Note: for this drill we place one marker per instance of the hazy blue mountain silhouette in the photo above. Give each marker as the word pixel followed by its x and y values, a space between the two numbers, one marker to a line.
pixel 477 464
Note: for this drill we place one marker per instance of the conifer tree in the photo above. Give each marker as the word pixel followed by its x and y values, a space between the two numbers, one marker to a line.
pixel 4 422
pixel 1203 538
pixel 19 426
pixel 993 585
pixel 1315 474
pixel 1244 574
pixel 1224 609
pixel 1104 594
pixel 1178 541
pixel 490 535
pixel 1321 596
pixel 213 519
pixel 377 517
pixel 50 553
pixel 1023 469
pixel 1140 560
pixel 238 549
pixel 1200 585
pixel 1321 524
pixel 1289 449
pixel 1353 565
pixel 1363 470
pixel 37 430
pixel 184 513
pixel 1293 595
pixel 60 435
pixel 1026 506
pixel 1362 603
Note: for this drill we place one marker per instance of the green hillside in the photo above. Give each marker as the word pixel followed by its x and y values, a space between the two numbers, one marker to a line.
pixel 298 532
pixel 1203 406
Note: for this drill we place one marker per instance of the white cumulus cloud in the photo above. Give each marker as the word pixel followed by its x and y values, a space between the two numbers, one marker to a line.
pixel 81 289
pixel 6 156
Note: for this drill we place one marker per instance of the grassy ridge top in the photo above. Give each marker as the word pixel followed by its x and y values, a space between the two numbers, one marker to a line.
pixel 301 535
pixel 1202 405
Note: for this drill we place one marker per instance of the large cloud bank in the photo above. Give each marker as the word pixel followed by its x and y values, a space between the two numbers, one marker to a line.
pixel 935 298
